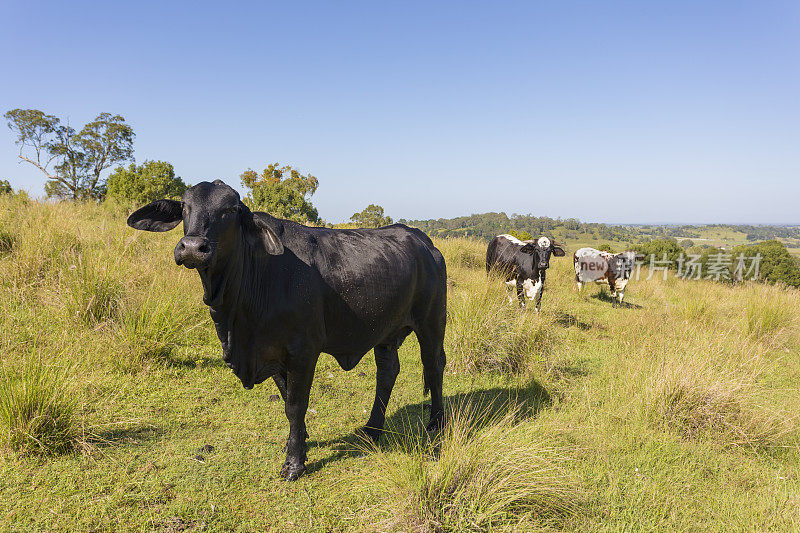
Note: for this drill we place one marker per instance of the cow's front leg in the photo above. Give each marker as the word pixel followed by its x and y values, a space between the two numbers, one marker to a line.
pixel 538 290
pixel 613 288
pixel 298 388
pixel 280 382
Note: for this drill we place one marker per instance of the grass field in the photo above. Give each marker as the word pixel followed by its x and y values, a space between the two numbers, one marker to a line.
pixel 677 412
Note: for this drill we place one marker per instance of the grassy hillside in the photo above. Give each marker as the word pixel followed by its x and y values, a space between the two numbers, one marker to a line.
pixel 621 236
pixel 677 412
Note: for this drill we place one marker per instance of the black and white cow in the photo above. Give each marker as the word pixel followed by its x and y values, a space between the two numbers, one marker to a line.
pixel 522 264
pixel 280 293
pixel 604 267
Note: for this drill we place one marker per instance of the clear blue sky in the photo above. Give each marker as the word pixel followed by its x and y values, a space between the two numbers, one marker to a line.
pixel 672 111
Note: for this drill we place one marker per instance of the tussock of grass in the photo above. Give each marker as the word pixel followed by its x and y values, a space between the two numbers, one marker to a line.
pixel 695 308
pixel 94 294
pixel 37 412
pixel 7 241
pixel 768 320
pixel 484 472
pixel 698 403
pixel 151 330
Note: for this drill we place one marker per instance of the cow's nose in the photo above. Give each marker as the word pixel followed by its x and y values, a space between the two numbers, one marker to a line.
pixel 193 251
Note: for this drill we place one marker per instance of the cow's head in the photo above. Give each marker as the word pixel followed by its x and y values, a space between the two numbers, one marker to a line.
pixel 625 262
pixel 540 251
pixel 215 222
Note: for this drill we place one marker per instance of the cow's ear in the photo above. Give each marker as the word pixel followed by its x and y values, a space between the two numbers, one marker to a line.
pixel 257 231
pixel 528 248
pixel 558 251
pixel 161 215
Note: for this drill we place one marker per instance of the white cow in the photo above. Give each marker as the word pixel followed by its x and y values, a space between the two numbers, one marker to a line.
pixel 604 267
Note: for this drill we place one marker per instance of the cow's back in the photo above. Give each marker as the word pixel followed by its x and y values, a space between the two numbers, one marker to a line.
pixel 590 264
pixel 501 256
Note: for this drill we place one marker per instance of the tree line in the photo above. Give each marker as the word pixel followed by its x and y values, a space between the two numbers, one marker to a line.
pixel 768 261
pixel 484 226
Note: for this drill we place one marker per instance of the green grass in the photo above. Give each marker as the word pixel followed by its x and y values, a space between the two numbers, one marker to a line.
pixel 675 413
pixel 37 413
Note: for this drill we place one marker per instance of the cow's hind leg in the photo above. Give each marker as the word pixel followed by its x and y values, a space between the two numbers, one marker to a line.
pixel 520 294
pixel 388 366
pixel 431 347
pixel 511 286
pixel 613 293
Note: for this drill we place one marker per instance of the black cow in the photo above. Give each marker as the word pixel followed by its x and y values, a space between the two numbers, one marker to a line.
pixel 280 293
pixel 522 264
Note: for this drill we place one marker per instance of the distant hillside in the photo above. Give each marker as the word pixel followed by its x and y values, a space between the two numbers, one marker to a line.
pixel 487 225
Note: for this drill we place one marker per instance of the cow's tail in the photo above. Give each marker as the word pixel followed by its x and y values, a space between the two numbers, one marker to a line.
pixel 439 362
pixel 432 337
pixel 490 257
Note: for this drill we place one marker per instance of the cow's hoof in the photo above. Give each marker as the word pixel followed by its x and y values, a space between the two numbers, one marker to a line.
pixel 291 472
pixel 374 434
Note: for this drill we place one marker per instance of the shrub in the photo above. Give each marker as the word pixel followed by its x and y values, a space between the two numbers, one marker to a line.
pixel 283 192
pixel 605 247
pixel 282 201
pixel 483 472
pixel 140 184
pixel 659 249
pixel 371 217
pixel 37 412
pixel 521 235
pixel 776 264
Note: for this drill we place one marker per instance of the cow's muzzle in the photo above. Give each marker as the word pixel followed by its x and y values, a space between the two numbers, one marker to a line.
pixel 194 252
